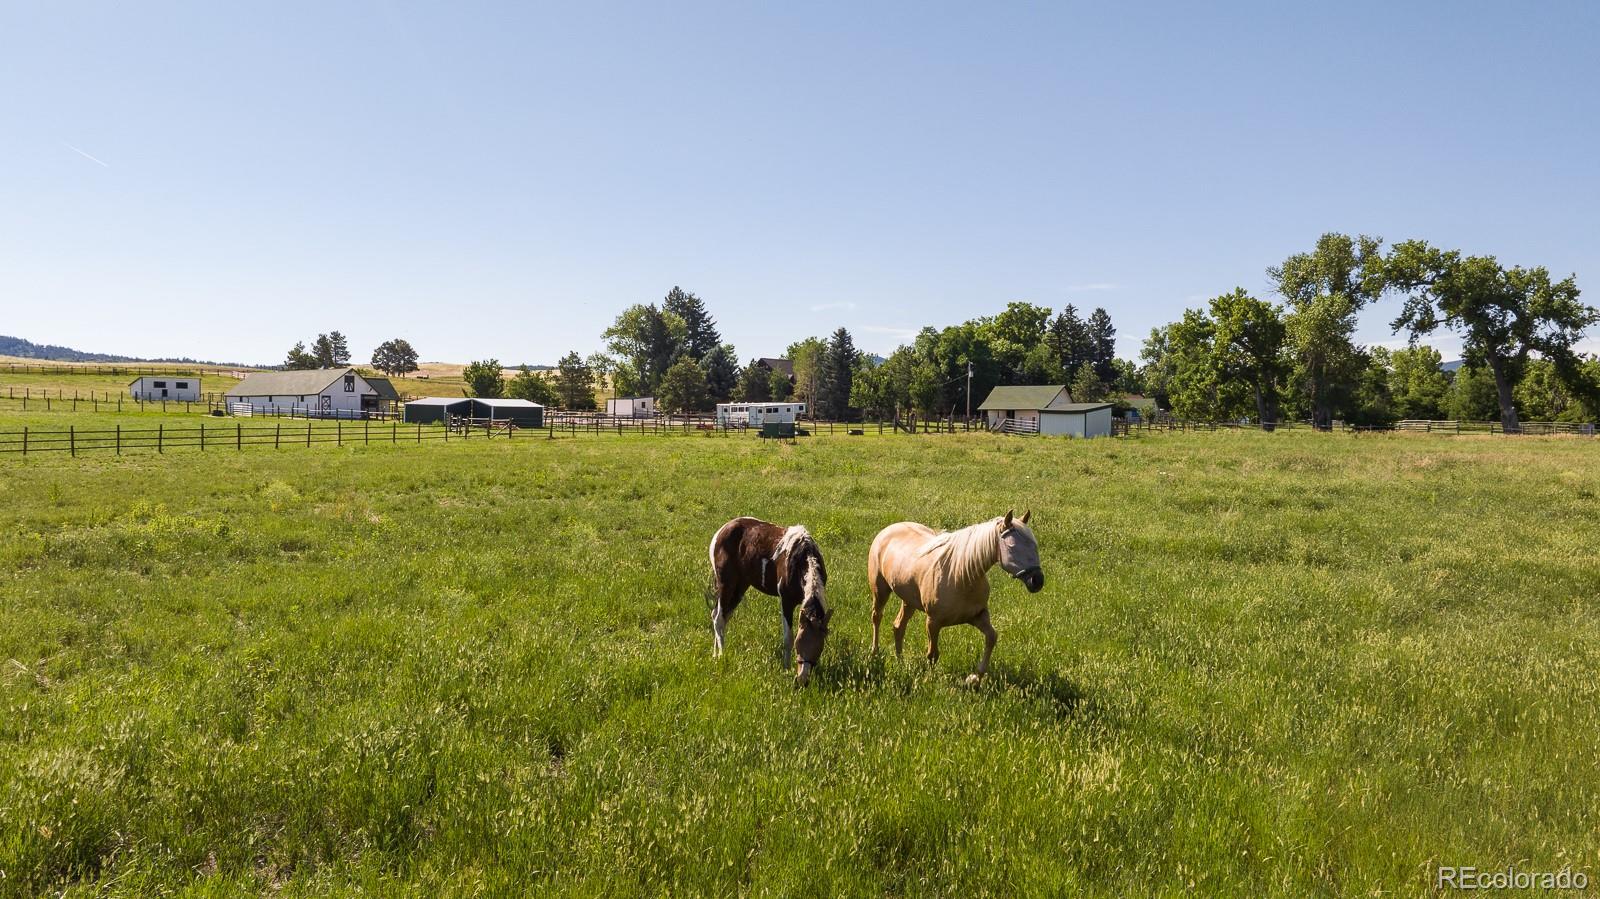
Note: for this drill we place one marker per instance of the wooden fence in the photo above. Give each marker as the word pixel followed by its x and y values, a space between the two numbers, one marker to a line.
pixel 118 369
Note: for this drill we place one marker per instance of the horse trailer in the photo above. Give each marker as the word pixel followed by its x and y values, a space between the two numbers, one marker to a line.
pixel 754 415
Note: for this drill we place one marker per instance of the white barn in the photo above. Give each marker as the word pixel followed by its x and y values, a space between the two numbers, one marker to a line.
pixel 631 406
pixel 320 392
pixel 1045 409
pixel 165 387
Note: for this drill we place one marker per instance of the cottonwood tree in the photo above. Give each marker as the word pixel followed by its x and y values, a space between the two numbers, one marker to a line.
pixel 1249 347
pixel 806 358
pixel 647 340
pixel 1325 288
pixel 1504 315
pixel 1417 383
pixel 394 357
pixel 484 378
pixel 1015 337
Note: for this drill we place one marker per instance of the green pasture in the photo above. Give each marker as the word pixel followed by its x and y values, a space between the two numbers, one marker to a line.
pixel 1263 664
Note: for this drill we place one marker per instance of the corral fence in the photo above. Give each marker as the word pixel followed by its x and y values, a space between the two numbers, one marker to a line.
pixel 117 369
pixel 240 436
pixel 1527 428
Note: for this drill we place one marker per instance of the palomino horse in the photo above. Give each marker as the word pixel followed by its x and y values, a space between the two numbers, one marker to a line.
pixel 778 561
pixel 946 575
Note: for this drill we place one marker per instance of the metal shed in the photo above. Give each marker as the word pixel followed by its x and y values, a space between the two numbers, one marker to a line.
pixel 429 409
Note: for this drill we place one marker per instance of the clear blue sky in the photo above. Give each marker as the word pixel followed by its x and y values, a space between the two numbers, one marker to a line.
pixel 222 179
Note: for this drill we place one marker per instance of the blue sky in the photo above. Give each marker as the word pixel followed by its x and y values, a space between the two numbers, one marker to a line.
pixel 222 179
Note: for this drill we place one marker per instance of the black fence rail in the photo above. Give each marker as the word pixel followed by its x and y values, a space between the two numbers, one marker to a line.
pixel 1526 429
pixel 240 436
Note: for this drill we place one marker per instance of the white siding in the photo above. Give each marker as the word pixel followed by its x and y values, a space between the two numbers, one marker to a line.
pixel 146 388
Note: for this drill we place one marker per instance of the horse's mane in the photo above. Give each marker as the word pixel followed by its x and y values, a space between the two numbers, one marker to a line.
pixel 967 553
pixel 798 544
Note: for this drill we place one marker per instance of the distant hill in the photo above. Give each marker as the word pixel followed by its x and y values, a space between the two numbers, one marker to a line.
pixel 27 349
pixel 1451 366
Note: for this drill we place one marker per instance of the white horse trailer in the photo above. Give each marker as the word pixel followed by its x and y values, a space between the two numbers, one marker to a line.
pixel 754 415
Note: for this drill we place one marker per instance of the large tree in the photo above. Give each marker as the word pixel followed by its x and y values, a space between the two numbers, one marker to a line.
pixel 721 367
pixel 1014 336
pixel 484 378
pixel 839 362
pixel 755 383
pixel 1249 347
pixel 1070 339
pixel 806 357
pixel 531 387
pixel 298 359
pixel 1102 345
pixel 1417 383
pixel 1504 315
pixel 574 383
pixel 394 357
pixel 700 337
pixel 648 340
pixel 331 350
pixel 1325 288
pixel 683 388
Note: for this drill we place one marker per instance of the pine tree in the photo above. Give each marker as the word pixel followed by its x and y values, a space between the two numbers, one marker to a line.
pixel 1103 345
pixel 755 386
pixel 700 329
pixel 839 360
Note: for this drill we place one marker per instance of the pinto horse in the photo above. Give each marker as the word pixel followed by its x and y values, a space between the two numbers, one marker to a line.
pixel 778 561
pixel 946 575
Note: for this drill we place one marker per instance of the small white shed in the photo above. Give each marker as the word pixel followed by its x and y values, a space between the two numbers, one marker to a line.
pixel 1077 420
pixel 165 387
pixel 631 406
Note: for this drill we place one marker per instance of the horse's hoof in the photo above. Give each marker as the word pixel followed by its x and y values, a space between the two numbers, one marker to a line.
pixel 974 679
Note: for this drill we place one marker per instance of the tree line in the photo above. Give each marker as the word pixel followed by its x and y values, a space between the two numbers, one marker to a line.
pixel 1243 357
pixel 332 350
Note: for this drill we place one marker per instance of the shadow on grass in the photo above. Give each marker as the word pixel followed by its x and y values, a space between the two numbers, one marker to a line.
pixel 857 669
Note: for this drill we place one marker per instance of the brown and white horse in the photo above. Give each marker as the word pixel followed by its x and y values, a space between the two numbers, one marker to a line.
pixel 778 561
pixel 946 575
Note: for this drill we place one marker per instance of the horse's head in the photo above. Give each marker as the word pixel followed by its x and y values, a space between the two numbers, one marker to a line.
pixel 1019 551
pixel 809 636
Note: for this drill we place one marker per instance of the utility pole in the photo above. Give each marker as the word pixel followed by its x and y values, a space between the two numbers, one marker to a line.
pixel 969 391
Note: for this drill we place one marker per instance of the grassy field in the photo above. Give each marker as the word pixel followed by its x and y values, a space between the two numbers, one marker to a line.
pixel 1290 664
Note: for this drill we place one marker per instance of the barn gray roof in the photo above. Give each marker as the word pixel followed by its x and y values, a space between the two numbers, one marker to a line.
pixel 1024 397
pixel 1079 407
pixel 382 387
pixel 437 401
pixel 287 383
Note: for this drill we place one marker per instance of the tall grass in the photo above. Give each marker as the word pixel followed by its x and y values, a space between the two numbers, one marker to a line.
pixel 1279 664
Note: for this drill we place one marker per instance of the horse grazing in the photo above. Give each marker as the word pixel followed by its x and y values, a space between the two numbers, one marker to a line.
pixel 778 561
pixel 946 575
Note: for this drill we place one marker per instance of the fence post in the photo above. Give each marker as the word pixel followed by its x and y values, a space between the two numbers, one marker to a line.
pixel 419 433
pixel 308 433
pixel 24 440
pixel 119 439
pixel 338 431
pixel 238 436
pixel 277 435
pixel 366 430
pixel 161 431
pixel 202 430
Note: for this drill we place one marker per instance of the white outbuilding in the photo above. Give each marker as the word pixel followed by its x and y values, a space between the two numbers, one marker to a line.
pixel 631 406
pixel 315 393
pixel 1044 409
pixel 165 387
